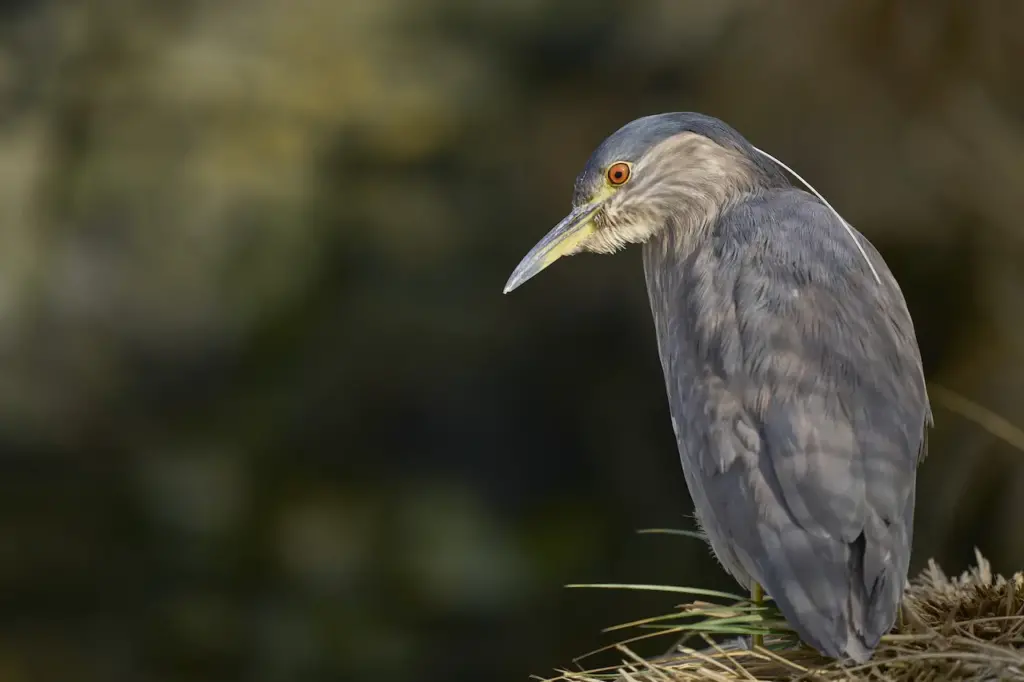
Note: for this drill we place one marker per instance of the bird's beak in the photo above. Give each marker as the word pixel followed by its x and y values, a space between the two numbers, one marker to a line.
pixel 564 240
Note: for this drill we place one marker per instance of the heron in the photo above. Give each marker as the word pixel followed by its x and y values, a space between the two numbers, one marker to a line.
pixel 794 379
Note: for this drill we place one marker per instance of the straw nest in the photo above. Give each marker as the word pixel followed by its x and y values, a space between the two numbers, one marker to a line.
pixel 962 628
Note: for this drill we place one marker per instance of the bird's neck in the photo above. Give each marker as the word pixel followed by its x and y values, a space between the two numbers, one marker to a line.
pixel 672 250
pixel 672 258
pixel 692 197
pixel 692 221
pixel 715 180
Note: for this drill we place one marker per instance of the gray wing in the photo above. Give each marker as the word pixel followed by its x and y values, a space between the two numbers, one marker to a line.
pixel 801 407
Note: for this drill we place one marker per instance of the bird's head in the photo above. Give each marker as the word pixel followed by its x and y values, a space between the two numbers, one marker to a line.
pixel 678 168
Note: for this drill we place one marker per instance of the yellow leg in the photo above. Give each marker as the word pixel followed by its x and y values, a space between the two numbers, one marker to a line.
pixel 757 597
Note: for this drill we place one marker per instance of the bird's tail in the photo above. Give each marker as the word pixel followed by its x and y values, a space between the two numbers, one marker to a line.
pixel 878 565
pixel 840 598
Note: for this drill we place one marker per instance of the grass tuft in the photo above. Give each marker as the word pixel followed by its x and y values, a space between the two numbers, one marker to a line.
pixel 969 627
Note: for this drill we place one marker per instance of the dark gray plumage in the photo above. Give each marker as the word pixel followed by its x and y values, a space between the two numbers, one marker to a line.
pixel 794 379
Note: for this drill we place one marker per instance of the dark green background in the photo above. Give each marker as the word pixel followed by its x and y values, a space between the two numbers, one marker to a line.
pixel 264 412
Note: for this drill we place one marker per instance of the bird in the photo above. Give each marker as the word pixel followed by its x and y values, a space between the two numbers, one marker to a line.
pixel 792 370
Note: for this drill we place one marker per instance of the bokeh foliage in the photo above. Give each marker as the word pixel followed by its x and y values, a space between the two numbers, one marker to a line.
pixel 265 414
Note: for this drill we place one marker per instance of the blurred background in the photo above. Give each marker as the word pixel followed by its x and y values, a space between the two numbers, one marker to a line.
pixel 265 414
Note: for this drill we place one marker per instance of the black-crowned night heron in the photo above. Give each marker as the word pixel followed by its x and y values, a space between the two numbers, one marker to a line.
pixel 794 378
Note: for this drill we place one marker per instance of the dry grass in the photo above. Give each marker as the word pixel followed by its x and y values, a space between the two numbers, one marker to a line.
pixel 966 628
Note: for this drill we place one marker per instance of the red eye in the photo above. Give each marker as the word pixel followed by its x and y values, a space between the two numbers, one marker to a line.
pixel 618 173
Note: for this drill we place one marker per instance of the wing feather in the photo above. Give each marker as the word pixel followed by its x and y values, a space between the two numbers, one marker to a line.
pixel 799 387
